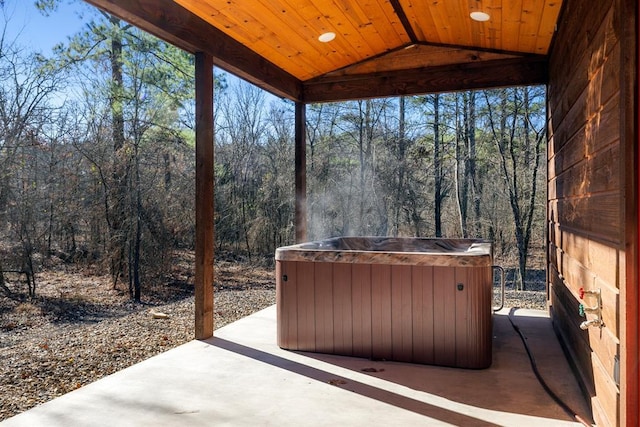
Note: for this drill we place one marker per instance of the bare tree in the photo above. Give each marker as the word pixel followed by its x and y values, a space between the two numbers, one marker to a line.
pixel 26 81
pixel 361 124
pixel 241 131
pixel 518 132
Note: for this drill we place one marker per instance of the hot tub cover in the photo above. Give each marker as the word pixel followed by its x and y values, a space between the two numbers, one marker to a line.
pixel 392 250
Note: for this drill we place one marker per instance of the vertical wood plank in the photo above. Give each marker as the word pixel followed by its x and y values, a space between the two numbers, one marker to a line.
pixel 204 252
pixel 462 308
pixel 444 315
pixel 487 336
pixel 396 312
pixel 287 304
pixel 305 283
pixel 418 314
pixel 381 311
pixel 438 314
pixel 423 307
pixel 281 319
pixel 291 301
pixel 630 136
pixel 323 278
pixel 343 311
pixel 480 323
pixel 401 322
pixel 300 173
pixel 361 303
pixel 407 313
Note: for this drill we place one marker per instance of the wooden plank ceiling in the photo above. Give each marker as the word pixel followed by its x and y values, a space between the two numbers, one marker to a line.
pixel 381 47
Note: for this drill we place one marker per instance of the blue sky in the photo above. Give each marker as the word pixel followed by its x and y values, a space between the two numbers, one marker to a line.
pixel 35 31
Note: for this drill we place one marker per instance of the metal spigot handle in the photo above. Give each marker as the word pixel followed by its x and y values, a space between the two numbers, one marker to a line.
pixel 593 322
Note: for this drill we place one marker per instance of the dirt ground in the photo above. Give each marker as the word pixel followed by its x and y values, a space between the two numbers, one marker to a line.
pixel 79 328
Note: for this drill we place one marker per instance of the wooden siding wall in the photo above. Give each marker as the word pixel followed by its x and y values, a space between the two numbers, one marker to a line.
pixel 587 191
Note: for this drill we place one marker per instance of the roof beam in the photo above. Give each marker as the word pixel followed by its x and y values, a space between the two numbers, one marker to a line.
pixel 476 75
pixel 397 7
pixel 173 23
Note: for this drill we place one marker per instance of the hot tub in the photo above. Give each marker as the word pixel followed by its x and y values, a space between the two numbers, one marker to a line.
pixel 403 299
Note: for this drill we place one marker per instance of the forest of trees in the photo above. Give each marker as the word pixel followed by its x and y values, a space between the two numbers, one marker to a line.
pixel 97 160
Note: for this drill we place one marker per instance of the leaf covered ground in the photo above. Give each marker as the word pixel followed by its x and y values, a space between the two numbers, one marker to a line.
pixel 79 328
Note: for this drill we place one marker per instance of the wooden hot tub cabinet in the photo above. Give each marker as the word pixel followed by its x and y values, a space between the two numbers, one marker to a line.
pixel 402 299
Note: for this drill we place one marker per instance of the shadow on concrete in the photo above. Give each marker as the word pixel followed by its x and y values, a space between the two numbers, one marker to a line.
pixel 509 385
pixel 349 384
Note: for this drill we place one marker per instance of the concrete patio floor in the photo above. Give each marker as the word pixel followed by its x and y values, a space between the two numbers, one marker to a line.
pixel 241 378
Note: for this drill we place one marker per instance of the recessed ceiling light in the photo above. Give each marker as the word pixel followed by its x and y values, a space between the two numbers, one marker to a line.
pixel 327 37
pixel 479 16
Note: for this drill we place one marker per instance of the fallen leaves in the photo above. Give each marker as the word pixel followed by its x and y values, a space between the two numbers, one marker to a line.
pixel 371 370
pixel 79 329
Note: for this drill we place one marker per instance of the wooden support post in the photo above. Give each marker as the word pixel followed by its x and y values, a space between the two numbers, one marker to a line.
pixel 204 197
pixel 301 173
pixel 628 12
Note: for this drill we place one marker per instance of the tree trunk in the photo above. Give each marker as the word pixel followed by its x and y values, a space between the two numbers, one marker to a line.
pixel 138 234
pixel 118 239
pixel 437 167
pixel 401 165
pixel 3 286
pixel 461 174
pixel 473 174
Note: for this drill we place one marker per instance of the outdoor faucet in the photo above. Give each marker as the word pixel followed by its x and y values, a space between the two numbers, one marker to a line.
pixel 596 309
pixel 593 322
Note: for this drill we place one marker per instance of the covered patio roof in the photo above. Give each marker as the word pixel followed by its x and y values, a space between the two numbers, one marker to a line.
pixel 381 47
